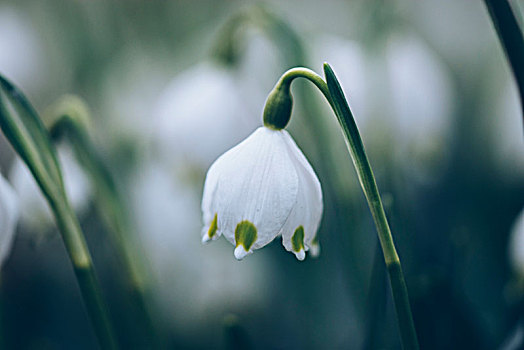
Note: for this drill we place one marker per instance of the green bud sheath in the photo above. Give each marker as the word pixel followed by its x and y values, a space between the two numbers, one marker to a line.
pixel 279 104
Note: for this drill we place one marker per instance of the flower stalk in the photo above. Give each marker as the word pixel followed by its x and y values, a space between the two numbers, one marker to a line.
pixel 333 93
pixel 70 119
pixel 26 133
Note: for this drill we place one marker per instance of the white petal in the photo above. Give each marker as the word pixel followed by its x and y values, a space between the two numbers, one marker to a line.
pixel 8 218
pixel 301 254
pixel 307 212
pixel 209 208
pixel 255 181
pixel 241 252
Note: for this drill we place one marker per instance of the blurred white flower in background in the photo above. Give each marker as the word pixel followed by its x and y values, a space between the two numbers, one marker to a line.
pixel 516 246
pixel 401 96
pixel 506 125
pixel 259 67
pixel 199 115
pixel 22 54
pixel 262 188
pixel 421 96
pixel 193 284
pixel 354 71
pixel 9 211
pixel 36 215
pixel 129 88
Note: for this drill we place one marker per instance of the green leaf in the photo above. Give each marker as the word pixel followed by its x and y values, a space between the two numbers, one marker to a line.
pixel 350 131
pixel 28 136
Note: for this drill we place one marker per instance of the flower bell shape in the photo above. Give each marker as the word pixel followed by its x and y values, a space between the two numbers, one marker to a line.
pixel 262 188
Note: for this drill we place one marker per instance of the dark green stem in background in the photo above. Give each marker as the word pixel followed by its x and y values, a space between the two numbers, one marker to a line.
pixel 376 302
pixel 333 93
pixel 512 40
pixel 69 119
pixel 85 273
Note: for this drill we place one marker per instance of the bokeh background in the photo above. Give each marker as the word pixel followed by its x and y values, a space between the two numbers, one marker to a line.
pixel 173 84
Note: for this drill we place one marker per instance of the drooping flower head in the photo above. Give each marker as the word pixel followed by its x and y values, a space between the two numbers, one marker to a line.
pixel 263 188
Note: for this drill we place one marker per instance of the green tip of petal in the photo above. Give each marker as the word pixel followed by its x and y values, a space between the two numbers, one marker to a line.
pixel 297 241
pixel 212 228
pixel 245 234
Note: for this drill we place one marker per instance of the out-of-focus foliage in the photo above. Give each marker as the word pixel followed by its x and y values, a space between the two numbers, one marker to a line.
pixel 432 92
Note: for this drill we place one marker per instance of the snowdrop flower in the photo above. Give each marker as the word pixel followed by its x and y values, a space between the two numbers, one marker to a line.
pixel 8 218
pixel 36 214
pixel 262 188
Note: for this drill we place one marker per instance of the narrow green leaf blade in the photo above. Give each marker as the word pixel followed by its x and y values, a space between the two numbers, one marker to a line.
pixel 28 136
pixel 350 130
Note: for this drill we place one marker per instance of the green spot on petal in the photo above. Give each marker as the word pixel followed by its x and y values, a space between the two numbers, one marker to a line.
pixel 213 227
pixel 297 241
pixel 245 234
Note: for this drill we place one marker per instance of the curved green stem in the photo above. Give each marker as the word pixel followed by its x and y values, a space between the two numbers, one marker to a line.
pixel 333 94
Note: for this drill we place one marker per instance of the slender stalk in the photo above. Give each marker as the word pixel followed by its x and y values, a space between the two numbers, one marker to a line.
pixel 376 302
pixel 333 93
pixel 84 271
pixel 68 119
pixel 511 38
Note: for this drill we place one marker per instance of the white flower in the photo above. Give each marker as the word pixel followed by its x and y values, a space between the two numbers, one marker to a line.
pixel 200 115
pixel 36 214
pixel 8 218
pixel 262 188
